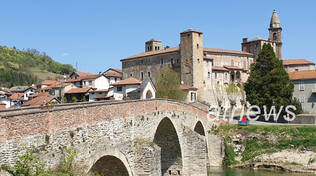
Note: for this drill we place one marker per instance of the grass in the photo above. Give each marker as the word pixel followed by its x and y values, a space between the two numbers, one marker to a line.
pixel 43 75
pixel 268 139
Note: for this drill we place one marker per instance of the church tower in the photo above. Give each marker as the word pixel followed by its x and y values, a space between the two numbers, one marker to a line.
pixel 275 32
pixel 191 53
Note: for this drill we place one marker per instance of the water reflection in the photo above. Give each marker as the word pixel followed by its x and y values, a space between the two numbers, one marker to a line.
pixel 250 172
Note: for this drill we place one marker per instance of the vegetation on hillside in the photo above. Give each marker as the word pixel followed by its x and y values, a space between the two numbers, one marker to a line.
pixel 269 83
pixel 168 85
pixel 265 139
pixel 17 67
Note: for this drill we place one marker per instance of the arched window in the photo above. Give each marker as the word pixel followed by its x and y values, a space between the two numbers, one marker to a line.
pixel 275 36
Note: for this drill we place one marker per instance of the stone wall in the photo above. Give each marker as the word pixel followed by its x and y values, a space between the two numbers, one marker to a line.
pixel 107 130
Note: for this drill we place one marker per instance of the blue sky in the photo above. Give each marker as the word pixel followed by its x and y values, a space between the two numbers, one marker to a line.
pixel 98 33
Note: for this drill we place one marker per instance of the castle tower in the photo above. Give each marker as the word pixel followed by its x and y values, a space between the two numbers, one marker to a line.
pixel 153 45
pixel 191 52
pixel 275 32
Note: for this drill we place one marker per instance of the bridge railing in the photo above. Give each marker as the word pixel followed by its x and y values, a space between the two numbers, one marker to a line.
pixel 40 109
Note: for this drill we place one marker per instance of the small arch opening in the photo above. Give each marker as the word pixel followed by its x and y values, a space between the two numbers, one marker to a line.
pixel 199 128
pixel 149 95
pixel 109 166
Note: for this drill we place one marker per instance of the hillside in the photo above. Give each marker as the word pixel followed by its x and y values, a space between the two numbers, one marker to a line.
pixel 28 66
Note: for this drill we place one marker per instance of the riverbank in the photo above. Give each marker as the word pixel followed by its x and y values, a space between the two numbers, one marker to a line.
pixel 285 148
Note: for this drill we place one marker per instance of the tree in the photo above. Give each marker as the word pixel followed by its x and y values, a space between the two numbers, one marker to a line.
pixel 269 84
pixel 232 93
pixel 168 85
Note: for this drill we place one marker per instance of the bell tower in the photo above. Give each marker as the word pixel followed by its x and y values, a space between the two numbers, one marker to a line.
pixel 275 34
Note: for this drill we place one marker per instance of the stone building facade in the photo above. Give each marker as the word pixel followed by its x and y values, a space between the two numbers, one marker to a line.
pixel 193 62
pixel 206 69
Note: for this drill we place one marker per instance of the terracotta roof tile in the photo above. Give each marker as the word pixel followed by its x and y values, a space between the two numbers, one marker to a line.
pixel 83 73
pixel 17 96
pixel 175 49
pixel 306 74
pixel 39 100
pixel 113 74
pixel 233 68
pixel 50 82
pixel 99 91
pixel 78 90
pixel 187 88
pixel 297 62
pixel 117 70
pixel 128 81
pixel 219 68
pixel 151 53
pixel 215 50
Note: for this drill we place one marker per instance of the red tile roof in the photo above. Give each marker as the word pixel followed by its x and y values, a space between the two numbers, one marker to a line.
pixel 113 74
pixel 215 50
pixel 99 91
pixel 40 100
pixel 50 82
pixel 233 68
pixel 78 90
pixel 91 76
pixel 1 103
pixel 187 88
pixel 219 68
pixel 176 49
pixel 83 73
pixel 17 96
pixel 151 53
pixel 297 62
pixel 306 74
pixel 117 70
pixel 128 81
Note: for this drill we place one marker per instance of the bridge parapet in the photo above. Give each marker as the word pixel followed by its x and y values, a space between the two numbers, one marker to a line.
pixel 123 129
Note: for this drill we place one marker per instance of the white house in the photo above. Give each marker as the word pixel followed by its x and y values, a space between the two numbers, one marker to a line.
pixel 4 99
pixel 114 75
pixel 134 89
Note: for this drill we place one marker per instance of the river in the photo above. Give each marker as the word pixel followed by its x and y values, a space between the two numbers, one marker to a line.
pixel 250 172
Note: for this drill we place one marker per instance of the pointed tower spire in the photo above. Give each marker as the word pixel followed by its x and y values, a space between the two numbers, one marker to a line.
pixel 275 22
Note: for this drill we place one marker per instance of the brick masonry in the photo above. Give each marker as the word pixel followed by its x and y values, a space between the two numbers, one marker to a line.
pixel 125 131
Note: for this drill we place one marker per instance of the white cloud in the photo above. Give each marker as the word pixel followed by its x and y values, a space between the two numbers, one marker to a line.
pixel 65 54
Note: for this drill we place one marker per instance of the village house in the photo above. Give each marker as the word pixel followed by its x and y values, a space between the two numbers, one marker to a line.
pixel 42 99
pixel 292 65
pixel 132 88
pixel 305 88
pixel 4 99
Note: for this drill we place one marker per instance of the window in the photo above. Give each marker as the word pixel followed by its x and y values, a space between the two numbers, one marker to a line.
pixel 115 79
pixel 90 82
pixel 142 75
pixel 161 61
pixel 172 61
pixel 119 88
pixel 178 60
pixel 193 96
pixel 302 99
pixel 197 45
pixel 131 75
pixel 275 36
pixel 296 69
pixel 149 74
pixel 301 86
pixel 215 75
pixel 226 75
pixel 208 74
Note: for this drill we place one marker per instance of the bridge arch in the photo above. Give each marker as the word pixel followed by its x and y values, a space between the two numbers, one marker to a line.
pixel 111 163
pixel 167 138
pixel 199 128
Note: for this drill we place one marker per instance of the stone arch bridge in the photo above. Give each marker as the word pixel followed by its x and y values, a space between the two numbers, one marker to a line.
pixel 127 138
